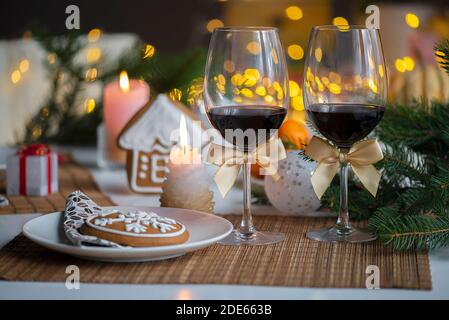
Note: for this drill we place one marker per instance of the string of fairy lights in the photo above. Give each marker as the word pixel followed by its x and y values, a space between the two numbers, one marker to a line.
pixel 246 84
pixel 295 52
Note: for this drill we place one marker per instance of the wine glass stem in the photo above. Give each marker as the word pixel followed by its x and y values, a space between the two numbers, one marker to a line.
pixel 246 226
pixel 343 226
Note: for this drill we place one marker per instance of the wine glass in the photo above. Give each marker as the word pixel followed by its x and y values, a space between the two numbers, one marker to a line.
pixel 345 93
pixel 246 97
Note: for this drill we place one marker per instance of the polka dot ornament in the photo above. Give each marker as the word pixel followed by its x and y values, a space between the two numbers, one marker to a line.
pixel 293 194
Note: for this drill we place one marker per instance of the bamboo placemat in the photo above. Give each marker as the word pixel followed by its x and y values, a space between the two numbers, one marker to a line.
pixel 71 177
pixel 297 262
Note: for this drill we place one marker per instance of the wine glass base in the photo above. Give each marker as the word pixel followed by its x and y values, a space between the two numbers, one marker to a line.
pixel 331 235
pixel 258 238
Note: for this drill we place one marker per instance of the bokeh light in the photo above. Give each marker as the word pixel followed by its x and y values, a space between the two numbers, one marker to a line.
pixel 412 20
pixel 295 52
pixel 24 65
pixel 94 35
pixel 341 23
pixel 89 105
pixel 400 65
pixel 16 76
pixel 253 47
pixel 149 51
pixel 93 55
pixel 213 24
pixel 294 13
pixel 318 54
pixel 409 63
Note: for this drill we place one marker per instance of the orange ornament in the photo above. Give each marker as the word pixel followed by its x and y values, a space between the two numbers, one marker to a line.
pixel 294 133
pixel 255 171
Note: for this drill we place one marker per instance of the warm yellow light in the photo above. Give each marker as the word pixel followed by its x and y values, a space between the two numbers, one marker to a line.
pixel 149 51
pixel 318 54
pixel 294 13
pixel 253 47
pixel 412 20
pixel 319 84
pixel 221 88
pixel 16 76
pixel 124 81
pixel 341 23
pixel 400 65
pixel 213 24
pixel 334 77
pixel 24 65
pixel 334 88
pixel 238 80
pixel 268 99
pixel 295 51
pixel 252 74
pixel 261 91
pixel 93 55
pixel 94 35
pixel 297 103
pixel 381 70
pixel 409 63
pixel 277 86
pixel 221 79
pixel 36 132
pixel 175 94
pixel 295 90
pixel 91 74
pixel 51 58
pixel 89 105
pixel 275 56
pixel 247 93
pixel 440 53
pixel 372 86
pixel 229 66
pixel 440 57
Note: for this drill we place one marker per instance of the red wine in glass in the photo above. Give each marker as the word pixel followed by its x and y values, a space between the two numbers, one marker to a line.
pixel 345 124
pixel 263 120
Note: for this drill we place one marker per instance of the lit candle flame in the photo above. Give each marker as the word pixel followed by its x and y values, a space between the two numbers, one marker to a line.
pixel 124 81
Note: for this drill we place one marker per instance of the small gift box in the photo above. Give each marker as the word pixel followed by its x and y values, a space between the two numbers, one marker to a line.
pixel 32 171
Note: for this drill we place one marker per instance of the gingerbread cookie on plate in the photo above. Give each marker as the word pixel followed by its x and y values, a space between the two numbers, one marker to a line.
pixel 136 229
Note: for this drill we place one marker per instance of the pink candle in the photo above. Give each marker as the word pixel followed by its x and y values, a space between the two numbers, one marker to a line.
pixel 122 99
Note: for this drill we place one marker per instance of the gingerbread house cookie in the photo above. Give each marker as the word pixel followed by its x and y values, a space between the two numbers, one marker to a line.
pixel 147 138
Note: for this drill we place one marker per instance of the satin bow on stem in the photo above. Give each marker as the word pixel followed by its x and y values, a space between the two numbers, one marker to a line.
pixel 230 161
pixel 361 156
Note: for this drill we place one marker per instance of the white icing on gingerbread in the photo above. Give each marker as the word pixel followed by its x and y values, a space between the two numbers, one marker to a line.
pixel 136 223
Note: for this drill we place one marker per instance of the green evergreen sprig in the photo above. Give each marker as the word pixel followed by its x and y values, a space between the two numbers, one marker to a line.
pixel 442 54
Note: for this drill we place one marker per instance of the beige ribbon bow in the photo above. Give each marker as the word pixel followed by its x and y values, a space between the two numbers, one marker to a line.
pixel 361 156
pixel 230 161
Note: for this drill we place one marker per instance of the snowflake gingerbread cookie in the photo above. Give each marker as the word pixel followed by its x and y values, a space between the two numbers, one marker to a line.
pixel 136 229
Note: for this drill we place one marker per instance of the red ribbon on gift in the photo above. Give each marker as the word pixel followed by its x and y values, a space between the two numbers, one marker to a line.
pixel 33 150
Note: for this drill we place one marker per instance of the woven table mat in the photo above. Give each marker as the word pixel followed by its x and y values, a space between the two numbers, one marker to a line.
pixel 71 177
pixel 297 262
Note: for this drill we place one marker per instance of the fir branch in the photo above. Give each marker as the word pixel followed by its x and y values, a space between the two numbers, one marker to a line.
pixel 417 232
pixel 442 54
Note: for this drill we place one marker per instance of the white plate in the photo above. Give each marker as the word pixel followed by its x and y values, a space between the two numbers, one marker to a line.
pixel 205 229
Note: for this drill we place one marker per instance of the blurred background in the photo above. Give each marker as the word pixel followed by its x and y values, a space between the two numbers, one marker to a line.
pixel 52 79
